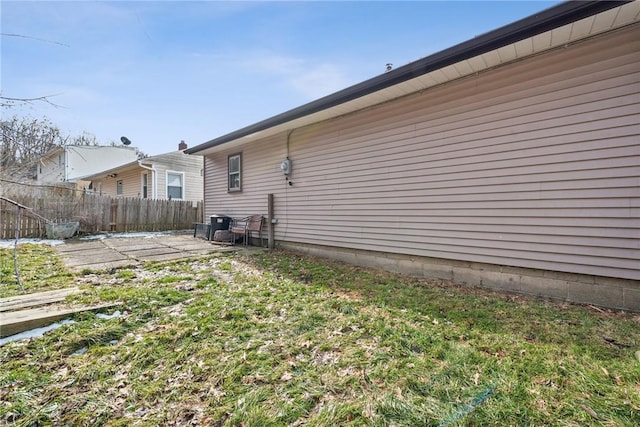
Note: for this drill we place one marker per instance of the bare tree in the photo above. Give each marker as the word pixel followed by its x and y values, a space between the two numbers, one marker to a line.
pixel 24 140
pixel 9 102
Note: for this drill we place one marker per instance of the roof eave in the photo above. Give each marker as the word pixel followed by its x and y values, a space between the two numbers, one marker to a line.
pixel 105 173
pixel 538 23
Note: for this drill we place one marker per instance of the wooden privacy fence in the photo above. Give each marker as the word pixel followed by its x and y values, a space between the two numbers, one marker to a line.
pixel 97 213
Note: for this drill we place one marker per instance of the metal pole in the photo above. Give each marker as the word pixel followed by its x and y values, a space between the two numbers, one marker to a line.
pixel 15 248
pixel 270 221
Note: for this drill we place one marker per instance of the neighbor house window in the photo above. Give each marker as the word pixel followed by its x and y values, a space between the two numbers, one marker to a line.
pixel 175 183
pixel 235 172
pixel 145 186
pixel 119 187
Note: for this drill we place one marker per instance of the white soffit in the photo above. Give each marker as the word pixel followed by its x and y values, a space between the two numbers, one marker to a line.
pixel 602 22
pixel 587 27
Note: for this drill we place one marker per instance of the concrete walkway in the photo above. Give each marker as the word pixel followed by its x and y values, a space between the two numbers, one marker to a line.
pixel 123 250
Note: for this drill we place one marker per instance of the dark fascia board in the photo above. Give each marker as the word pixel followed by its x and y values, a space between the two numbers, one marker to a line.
pixel 546 20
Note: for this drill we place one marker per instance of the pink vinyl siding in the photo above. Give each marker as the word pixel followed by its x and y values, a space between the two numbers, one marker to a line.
pixel 260 176
pixel 534 164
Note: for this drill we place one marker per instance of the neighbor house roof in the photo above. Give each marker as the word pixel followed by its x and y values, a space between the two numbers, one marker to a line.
pixel 118 169
pixel 60 148
pixel 554 27
pixel 144 163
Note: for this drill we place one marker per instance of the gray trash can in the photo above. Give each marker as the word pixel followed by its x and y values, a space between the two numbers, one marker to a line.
pixel 219 222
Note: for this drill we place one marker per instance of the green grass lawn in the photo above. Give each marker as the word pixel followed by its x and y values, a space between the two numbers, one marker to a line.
pixel 279 339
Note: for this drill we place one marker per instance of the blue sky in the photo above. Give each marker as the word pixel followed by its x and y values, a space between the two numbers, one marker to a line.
pixel 163 71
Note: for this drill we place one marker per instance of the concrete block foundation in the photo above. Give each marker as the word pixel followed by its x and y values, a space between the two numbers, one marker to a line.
pixel 622 294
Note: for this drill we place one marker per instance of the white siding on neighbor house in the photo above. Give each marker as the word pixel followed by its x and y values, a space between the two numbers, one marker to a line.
pixel 86 160
pixel 179 162
pixel 534 164
pixel 71 162
pixel 51 167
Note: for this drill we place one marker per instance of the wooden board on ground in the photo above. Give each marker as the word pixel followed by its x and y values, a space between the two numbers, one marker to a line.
pixel 33 300
pixel 14 322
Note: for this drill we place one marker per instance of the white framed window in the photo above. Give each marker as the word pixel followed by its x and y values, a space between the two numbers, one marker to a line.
pixel 145 185
pixel 175 185
pixel 119 187
pixel 235 172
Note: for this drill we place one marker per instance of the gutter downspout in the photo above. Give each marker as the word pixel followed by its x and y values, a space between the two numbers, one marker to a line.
pixel 153 178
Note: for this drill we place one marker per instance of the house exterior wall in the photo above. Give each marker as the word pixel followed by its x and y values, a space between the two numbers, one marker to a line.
pixel 51 167
pixel 86 160
pixel 533 165
pixel 72 162
pixel 131 176
pixel 131 183
pixel 179 162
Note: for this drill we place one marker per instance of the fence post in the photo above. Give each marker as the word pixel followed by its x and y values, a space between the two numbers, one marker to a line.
pixel 114 215
pixel 270 221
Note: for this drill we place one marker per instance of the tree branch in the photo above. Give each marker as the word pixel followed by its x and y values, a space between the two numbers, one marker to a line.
pixel 6 101
pixel 34 38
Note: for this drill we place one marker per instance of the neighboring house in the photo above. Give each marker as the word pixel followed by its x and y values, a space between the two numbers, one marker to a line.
pixel 510 161
pixel 174 175
pixel 69 162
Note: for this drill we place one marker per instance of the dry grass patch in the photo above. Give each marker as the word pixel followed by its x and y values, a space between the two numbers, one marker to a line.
pixel 277 339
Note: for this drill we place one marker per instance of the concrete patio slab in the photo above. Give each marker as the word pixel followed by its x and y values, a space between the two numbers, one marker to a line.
pixel 74 246
pixel 114 252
